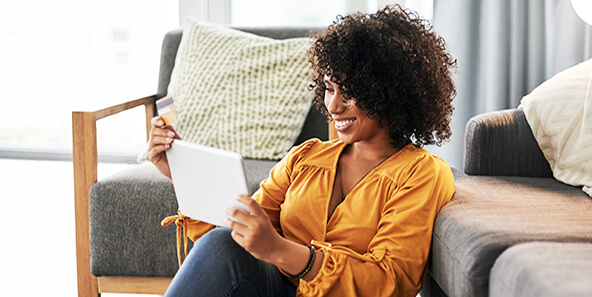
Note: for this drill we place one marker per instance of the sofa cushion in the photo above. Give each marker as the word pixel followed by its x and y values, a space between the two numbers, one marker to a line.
pixel 543 269
pixel 559 112
pixel 240 92
pixel 125 211
pixel 489 214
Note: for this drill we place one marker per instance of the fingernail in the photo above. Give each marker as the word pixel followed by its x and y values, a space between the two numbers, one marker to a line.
pixel 170 134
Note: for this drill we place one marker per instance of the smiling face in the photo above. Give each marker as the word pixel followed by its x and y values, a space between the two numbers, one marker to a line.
pixel 351 123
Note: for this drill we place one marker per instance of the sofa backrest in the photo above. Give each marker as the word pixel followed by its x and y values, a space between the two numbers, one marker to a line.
pixel 502 143
pixel 315 124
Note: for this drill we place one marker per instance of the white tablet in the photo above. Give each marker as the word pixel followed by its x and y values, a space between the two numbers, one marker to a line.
pixel 207 181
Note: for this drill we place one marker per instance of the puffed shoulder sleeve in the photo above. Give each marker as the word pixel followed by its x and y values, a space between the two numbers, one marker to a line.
pixel 396 258
pixel 272 190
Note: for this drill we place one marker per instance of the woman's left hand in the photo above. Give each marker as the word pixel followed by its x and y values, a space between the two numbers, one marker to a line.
pixel 254 233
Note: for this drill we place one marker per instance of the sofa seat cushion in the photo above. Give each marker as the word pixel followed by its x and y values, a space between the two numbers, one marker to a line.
pixel 489 214
pixel 541 269
pixel 125 211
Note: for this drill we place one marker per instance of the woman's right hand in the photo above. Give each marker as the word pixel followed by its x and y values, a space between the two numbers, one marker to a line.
pixel 161 138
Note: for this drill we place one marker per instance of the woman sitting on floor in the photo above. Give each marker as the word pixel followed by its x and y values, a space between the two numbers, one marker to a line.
pixel 352 216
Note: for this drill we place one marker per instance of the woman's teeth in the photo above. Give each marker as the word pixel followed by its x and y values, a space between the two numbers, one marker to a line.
pixel 343 123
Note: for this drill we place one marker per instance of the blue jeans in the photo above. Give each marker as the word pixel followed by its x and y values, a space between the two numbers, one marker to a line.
pixel 218 266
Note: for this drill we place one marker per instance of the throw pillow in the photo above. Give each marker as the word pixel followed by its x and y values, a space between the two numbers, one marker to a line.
pixel 240 92
pixel 559 112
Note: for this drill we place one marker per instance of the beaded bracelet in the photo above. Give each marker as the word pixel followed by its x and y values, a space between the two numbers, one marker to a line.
pixel 306 269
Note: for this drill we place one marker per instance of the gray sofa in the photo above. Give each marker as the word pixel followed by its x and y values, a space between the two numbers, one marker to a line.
pixel 129 250
pixel 511 229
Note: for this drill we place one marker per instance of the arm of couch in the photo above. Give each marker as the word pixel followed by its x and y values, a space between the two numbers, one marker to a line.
pixel 84 157
pixel 502 143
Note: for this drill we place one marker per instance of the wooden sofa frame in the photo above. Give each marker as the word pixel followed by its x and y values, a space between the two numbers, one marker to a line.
pixel 85 161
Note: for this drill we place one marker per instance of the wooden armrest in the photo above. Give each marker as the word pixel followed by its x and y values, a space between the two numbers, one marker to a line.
pixel 84 159
pixel 148 103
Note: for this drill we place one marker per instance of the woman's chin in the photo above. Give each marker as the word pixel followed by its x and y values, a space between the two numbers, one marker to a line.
pixel 345 138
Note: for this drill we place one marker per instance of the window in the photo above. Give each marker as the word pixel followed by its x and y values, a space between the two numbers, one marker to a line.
pixel 310 12
pixel 293 13
pixel 65 55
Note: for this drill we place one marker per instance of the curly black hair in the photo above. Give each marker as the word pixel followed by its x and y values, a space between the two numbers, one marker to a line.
pixel 395 67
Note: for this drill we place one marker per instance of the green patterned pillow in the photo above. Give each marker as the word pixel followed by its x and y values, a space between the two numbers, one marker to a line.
pixel 240 92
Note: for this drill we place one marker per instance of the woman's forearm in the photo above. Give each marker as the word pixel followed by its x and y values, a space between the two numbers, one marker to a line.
pixel 293 258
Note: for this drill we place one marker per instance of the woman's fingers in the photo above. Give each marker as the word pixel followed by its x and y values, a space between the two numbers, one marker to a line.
pixel 255 233
pixel 242 222
pixel 241 231
pixel 252 229
pixel 157 122
pixel 254 218
pixel 158 144
pixel 162 139
pixel 159 136
pixel 155 150
pixel 253 206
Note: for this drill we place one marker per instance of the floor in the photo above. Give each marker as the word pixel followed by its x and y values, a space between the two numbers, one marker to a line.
pixel 38 249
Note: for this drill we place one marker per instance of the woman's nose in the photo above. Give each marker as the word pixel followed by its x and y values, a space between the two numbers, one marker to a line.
pixel 336 104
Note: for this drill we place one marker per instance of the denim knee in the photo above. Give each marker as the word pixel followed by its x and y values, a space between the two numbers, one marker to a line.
pixel 215 251
pixel 218 266
pixel 221 239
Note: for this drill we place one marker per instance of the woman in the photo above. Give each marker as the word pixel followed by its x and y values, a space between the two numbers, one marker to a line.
pixel 353 216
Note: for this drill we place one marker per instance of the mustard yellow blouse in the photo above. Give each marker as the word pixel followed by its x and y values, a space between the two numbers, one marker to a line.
pixel 377 241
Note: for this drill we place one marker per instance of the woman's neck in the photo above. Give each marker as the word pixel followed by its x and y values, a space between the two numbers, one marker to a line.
pixel 372 152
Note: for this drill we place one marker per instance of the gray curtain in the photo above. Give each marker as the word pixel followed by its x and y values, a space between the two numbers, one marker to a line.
pixel 505 48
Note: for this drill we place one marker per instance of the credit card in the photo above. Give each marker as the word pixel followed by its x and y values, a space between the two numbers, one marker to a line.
pixel 166 110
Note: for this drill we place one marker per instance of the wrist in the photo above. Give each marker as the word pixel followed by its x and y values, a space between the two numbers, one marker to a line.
pixel 278 251
pixel 316 266
pixel 291 257
pixel 309 264
pixel 294 258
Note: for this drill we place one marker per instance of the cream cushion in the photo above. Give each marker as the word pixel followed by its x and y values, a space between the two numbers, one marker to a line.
pixel 559 112
pixel 240 92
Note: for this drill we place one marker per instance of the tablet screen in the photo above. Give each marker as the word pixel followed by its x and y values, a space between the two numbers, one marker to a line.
pixel 207 181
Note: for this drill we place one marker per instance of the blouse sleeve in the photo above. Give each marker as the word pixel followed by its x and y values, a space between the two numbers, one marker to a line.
pixel 395 261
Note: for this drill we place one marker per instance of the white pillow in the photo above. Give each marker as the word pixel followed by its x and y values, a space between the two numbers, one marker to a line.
pixel 240 92
pixel 559 112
